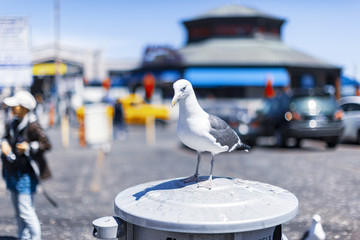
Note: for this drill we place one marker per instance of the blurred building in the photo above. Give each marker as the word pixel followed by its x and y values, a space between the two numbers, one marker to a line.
pixel 230 52
pixel 234 51
pixel 74 65
pixel 77 67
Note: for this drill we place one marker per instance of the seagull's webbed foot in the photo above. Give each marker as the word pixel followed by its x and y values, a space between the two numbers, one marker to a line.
pixel 193 178
pixel 206 184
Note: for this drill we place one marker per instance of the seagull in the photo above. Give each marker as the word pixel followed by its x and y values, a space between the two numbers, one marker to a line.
pixel 316 231
pixel 201 131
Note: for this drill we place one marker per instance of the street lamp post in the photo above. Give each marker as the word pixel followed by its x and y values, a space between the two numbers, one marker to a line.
pixel 59 97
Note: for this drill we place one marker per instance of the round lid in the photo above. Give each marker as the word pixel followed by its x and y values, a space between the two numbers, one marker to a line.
pixel 232 205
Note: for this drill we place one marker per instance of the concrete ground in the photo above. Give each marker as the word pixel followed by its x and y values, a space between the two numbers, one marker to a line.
pixel 85 185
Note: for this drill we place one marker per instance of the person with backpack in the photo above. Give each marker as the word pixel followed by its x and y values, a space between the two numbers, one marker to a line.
pixel 24 142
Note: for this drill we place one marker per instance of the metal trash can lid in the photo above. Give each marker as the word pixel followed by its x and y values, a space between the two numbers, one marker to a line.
pixel 232 205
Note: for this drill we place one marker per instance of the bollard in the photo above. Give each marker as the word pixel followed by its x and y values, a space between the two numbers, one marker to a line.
pixel 150 130
pixel 80 115
pixel 52 115
pixel 108 227
pixel 65 131
pixel 233 209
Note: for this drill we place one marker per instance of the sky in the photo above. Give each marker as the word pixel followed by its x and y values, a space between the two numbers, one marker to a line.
pixel 326 29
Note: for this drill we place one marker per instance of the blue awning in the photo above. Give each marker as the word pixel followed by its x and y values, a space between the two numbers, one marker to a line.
pixel 257 77
pixel 169 75
pixel 349 81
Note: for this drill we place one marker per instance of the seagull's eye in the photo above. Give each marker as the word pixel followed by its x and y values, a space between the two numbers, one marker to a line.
pixel 183 89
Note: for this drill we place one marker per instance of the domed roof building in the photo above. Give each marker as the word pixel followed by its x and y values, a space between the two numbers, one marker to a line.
pixel 233 51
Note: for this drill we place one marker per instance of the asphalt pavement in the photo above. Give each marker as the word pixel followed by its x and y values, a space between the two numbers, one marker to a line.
pixel 85 182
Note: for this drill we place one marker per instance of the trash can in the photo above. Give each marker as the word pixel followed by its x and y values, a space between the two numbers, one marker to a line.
pixel 98 125
pixel 233 209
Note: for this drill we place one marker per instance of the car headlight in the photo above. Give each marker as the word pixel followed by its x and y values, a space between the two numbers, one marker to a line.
pixel 243 129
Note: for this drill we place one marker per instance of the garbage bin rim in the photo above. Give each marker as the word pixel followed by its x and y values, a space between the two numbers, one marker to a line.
pixel 134 211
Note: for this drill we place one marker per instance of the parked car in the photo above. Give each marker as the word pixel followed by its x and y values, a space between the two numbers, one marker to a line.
pixel 136 110
pixel 299 116
pixel 351 109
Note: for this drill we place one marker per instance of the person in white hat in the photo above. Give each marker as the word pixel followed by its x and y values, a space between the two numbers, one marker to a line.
pixel 23 140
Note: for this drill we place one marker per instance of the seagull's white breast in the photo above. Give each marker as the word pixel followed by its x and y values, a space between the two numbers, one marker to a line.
pixel 194 133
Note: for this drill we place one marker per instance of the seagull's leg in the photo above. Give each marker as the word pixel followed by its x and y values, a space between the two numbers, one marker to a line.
pixel 195 177
pixel 197 165
pixel 208 183
pixel 212 167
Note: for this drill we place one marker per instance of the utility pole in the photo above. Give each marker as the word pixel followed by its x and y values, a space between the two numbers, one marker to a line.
pixel 63 115
pixel 57 40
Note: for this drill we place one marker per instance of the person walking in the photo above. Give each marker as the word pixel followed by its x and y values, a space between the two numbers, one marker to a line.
pixel 24 141
pixel 118 121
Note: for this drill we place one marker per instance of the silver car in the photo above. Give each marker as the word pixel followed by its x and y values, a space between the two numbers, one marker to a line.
pixel 351 120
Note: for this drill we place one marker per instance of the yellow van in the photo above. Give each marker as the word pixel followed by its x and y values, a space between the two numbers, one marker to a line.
pixel 136 110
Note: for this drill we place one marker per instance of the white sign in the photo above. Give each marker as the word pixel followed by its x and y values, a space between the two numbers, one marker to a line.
pixel 15 55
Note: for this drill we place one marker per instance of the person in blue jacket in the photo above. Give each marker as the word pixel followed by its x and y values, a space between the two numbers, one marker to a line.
pixel 23 141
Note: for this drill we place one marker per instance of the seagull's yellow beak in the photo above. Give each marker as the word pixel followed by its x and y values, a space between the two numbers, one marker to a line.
pixel 175 99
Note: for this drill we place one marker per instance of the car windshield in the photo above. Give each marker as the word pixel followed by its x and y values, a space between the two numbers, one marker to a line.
pixel 313 105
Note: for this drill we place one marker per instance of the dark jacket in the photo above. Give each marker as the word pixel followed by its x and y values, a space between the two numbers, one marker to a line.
pixel 30 131
pixel 35 133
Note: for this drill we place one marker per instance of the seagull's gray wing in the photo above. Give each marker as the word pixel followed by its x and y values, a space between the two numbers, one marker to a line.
pixel 222 132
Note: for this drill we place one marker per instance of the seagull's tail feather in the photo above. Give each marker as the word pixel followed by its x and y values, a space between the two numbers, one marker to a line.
pixel 243 146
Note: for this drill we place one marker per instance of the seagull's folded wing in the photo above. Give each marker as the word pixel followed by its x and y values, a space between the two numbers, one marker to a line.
pixel 222 132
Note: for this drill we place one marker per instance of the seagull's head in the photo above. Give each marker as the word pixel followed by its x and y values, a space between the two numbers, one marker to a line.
pixel 316 219
pixel 182 89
